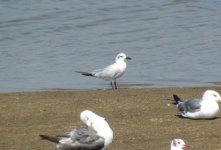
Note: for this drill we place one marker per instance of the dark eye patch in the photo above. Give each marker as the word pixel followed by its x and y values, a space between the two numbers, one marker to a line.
pixel 214 95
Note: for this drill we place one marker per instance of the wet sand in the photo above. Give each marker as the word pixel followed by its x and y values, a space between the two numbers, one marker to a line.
pixel 141 119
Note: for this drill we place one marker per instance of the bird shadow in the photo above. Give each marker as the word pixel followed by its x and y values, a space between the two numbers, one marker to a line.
pixel 180 116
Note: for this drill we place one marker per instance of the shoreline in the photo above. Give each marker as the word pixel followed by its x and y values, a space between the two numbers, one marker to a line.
pixel 121 87
pixel 141 118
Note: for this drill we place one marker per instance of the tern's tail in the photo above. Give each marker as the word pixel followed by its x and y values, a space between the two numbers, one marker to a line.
pixel 50 138
pixel 177 99
pixel 85 73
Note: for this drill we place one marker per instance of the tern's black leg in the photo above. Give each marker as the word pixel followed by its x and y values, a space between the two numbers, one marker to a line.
pixel 111 85
pixel 115 84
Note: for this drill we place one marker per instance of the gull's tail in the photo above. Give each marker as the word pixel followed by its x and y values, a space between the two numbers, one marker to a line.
pixel 50 138
pixel 85 73
pixel 177 99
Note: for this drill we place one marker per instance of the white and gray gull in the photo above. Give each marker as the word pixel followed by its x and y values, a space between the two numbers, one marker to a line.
pixel 204 108
pixel 97 136
pixel 178 144
pixel 111 72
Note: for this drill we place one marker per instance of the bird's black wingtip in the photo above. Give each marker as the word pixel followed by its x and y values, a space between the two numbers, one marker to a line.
pixel 85 73
pixel 177 99
pixel 43 137
pixel 49 138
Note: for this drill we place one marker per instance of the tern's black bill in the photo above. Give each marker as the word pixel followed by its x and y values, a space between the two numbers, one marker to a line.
pixel 128 58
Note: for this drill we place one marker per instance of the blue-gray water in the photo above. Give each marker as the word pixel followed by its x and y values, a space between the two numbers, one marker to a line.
pixel 172 42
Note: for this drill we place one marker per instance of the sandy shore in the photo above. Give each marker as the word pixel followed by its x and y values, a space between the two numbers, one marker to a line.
pixel 140 118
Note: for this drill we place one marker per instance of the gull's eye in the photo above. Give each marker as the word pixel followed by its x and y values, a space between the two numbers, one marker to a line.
pixel 214 95
pixel 178 142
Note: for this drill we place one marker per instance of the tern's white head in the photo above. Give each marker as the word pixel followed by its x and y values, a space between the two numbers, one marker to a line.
pixel 211 95
pixel 178 144
pixel 121 57
pixel 99 124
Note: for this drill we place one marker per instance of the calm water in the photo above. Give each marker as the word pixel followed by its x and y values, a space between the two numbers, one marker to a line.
pixel 172 42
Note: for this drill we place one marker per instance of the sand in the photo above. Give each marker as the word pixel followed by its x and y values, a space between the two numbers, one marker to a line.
pixel 141 119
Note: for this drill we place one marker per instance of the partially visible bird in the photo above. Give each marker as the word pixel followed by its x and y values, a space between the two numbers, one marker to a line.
pixel 97 136
pixel 111 72
pixel 203 108
pixel 178 144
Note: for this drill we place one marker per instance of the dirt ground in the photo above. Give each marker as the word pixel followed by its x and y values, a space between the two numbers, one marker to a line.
pixel 141 119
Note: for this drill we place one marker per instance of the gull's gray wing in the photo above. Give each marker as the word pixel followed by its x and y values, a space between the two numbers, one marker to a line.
pixel 190 105
pixel 81 139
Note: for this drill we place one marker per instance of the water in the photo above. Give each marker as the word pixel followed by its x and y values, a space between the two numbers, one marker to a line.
pixel 173 43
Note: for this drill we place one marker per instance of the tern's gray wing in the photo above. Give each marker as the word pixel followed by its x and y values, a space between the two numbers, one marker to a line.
pixel 109 73
pixel 81 139
pixel 190 105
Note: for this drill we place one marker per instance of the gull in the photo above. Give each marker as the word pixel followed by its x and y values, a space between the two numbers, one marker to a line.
pixel 203 108
pixel 178 144
pixel 111 72
pixel 97 136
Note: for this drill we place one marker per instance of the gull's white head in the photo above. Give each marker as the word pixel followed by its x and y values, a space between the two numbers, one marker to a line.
pixel 178 144
pixel 211 95
pixel 121 57
pixel 99 124
pixel 86 117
